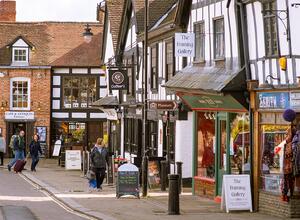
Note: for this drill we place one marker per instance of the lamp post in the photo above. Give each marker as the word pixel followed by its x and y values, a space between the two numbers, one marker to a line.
pixel 145 106
pixel 87 34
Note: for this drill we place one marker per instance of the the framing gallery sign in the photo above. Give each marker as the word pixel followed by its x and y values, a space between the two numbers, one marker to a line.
pixel 118 79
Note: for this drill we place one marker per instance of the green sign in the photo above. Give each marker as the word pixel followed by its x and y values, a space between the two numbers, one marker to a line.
pixel 213 103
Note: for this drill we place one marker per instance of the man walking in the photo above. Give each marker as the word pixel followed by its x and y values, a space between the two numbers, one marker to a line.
pixel 18 147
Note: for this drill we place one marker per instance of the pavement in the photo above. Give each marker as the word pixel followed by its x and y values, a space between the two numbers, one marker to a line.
pixel 70 189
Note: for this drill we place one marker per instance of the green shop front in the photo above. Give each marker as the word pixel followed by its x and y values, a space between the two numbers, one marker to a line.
pixel 221 136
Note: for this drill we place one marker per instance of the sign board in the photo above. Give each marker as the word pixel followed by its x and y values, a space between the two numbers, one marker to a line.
pixel 236 193
pixel 118 79
pixel 56 149
pixel 273 100
pixel 111 114
pixel 128 181
pixel 73 159
pixel 163 105
pixel 295 100
pixel 184 44
pixel 19 115
pixel 153 174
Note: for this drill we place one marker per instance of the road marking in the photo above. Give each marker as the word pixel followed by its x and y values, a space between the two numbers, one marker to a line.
pixel 58 202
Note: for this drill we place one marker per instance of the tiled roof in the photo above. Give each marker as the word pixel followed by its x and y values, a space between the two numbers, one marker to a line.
pixel 157 8
pixel 115 13
pixel 55 43
pixel 208 78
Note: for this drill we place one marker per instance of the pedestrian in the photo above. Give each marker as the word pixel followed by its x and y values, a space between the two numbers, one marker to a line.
pixel 18 148
pixel 2 149
pixel 99 159
pixel 35 149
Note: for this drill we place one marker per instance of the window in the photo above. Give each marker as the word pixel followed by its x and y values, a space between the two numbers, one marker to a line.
pixel 169 60
pixel 200 41
pixel 131 78
pixel 270 24
pixel 79 92
pixel 20 56
pixel 20 94
pixel 154 69
pixel 219 40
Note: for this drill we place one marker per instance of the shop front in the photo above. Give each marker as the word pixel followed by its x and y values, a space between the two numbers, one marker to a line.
pixel 221 140
pixel 270 151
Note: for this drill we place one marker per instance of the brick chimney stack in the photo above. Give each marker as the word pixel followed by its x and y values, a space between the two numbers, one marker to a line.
pixel 8 10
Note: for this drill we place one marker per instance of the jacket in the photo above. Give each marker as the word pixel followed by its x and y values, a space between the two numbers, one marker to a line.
pixel 35 148
pixel 296 150
pixel 2 145
pixel 19 143
pixel 99 159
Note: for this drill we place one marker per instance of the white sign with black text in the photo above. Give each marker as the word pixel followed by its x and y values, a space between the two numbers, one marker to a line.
pixel 236 193
pixel 19 115
pixel 73 159
pixel 56 149
pixel 184 45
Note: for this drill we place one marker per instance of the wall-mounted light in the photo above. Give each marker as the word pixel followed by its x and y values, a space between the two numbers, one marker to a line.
pixel 283 63
pixel 4 104
pixel 266 84
pixel 87 34
pixel 39 106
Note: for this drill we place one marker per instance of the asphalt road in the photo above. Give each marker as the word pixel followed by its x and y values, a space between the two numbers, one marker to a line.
pixel 19 200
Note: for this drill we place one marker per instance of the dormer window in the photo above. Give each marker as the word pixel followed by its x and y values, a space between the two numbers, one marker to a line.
pixel 20 49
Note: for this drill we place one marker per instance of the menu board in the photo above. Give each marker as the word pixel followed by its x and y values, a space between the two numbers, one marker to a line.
pixel 128 181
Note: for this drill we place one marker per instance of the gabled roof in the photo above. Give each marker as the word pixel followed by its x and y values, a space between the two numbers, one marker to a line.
pixel 55 43
pixel 115 14
pixel 22 38
pixel 157 8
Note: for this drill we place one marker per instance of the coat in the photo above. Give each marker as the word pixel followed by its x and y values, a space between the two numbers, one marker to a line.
pixel 35 148
pixel 99 157
pixel 2 145
pixel 296 151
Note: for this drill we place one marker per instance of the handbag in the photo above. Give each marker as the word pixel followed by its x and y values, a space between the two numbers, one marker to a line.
pixel 90 174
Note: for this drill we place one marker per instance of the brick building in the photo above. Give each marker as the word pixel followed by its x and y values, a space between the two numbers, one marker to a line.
pixel 29 53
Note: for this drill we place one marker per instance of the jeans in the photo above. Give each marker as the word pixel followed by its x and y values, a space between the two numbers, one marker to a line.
pixel 19 155
pixel 100 175
pixel 35 160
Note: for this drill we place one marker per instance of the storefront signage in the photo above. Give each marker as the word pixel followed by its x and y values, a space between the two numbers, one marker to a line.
pixel 19 115
pixel 73 159
pixel 118 79
pixel 236 193
pixel 184 44
pixel 57 147
pixel 163 105
pixel 295 100
pixel 128 181
pixel 273 100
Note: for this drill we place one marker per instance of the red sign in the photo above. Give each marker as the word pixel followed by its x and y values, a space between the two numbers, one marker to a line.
pixel 163 105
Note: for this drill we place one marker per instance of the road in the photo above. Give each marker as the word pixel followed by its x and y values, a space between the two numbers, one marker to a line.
pixel 19 200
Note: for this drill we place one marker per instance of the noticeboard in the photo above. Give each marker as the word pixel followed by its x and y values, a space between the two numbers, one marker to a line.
pixel 153 174
pixel 236 193
pixel 73 159
pixel 128 181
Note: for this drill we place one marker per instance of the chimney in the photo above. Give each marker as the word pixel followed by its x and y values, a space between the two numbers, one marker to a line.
pixel 101 12
pixel 8 10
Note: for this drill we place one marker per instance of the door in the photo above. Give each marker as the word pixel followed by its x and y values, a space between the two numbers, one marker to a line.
pixel 222 157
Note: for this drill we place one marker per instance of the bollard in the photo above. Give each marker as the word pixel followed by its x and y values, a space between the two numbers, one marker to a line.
pixel 173 207
pixel 179 172
pixel 163 177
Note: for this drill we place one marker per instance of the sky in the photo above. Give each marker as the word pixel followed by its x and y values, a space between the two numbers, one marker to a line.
pixel 56 10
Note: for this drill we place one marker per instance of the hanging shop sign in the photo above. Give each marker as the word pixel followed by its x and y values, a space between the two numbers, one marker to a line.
pixel 73 159
pixel 163 105
pixel 19 115
pixel 118 79
pixel 236 193
pixel 184 44
pixel 273 100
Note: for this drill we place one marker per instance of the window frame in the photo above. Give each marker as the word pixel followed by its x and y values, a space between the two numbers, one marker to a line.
pixel 201 41
pixel 20 79
pixel 170 41
pixel 154 81
pixel 18 62
pixel 80 88
pixel 216 19
pixel 267 21
pixel 131 80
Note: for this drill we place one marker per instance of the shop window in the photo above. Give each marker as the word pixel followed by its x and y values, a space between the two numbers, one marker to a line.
pixel 169 60
pixel 270 24
pixel 206 146
pixel 272 137
pixel 153 129
pixel 128 134
pixel 79 92
pixel 200 41
pixel 154 67
pixel 20 93
pixel 219 39
pixel 131 78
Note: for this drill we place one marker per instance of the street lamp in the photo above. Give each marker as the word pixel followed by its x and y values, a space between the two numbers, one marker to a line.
pixel 87 34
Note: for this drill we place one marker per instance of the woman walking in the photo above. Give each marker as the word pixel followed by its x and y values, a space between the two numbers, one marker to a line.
pixel 99 159
pixel 2 148
pixel 35 149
